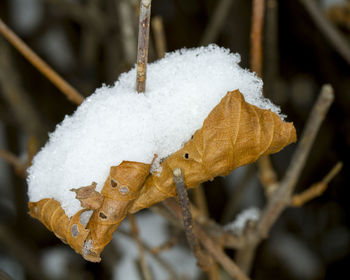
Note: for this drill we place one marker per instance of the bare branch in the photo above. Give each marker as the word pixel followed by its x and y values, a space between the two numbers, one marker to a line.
pixel 161 261
pixel 256 36
pixel 71 93
pixel 187 218
pixel 316 189
pixel 135 233
pixel 216 23
pixel 143 42
pixel 332 34
pixel 14 161
pixel 159 36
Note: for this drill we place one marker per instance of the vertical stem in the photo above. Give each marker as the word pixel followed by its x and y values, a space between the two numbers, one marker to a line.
pixel 256 36
pixel 186 212
pixel 142 48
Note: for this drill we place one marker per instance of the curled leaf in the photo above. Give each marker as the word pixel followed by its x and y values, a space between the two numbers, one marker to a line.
pixel 235 133
pixel 88 197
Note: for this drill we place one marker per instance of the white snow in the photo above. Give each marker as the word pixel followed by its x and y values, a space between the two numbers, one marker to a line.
pixel 116 123
pixel 248 215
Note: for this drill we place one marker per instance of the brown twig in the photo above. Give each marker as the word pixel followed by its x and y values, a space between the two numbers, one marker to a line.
pixel 281 198
pixel 212 247
pixel 187 218
pixel 71 93
pixel 330 31
pixel 256 36
pixel 135 233
pixel 316 189
pixel 142 47
pixel 216 23
pixel 267 174
pixel 159 36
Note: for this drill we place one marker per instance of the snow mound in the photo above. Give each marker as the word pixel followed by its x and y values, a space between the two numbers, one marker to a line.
pixel 116 123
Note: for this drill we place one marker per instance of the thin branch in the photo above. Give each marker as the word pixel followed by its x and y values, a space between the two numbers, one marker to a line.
pixel 14 161
pixel 143 42
pixel 165 246
pixel 256 36
pixel 216 23
pixel 329 30
pixel 159 36
pixel 71 93
pixel 316 189
pixel 187 218
pixel 212 247
pixel 267 174
pixel 157 257
pixel 135 233
pixel 282 196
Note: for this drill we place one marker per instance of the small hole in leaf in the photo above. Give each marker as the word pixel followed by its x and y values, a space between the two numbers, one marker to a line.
pixel 186 156
pixel 124 190
pixel 102 215
pixel 74 230
pixel 114 183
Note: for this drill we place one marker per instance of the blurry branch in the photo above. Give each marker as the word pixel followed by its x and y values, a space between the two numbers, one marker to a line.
pixel 211 246
pixel 4 275
pixel 128 33
pixel 159 36
pixel 11 159
pixel 22 252
pixel 71 93
pixel 165 246
pixel 256 36
pixel 135 233
pixel 316 189
pixel 200 200
pixel 267 174
pixel 329 30
pixel 157 257
pixel 281 198
pixel 232 204
pixel 86 15
pixel 184 203
pixel 142 45
pixel 271 50
pixel 216 23
pixel 16 97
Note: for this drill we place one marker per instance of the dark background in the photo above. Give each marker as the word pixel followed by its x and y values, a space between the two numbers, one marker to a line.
pixel 82 40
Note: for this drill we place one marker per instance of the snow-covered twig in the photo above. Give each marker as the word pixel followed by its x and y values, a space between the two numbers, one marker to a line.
pixel 142 48
pixel 71 93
